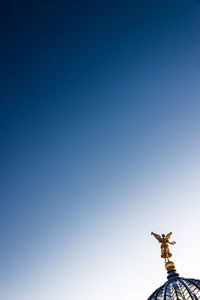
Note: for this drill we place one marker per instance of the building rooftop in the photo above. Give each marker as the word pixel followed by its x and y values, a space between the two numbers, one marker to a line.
pixel 175 288
pixel 178 288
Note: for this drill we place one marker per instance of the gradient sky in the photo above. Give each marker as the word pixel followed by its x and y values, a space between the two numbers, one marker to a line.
pixel 100 145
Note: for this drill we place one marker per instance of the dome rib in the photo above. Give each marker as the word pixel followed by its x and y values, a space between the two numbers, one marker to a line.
pixel 187 288
pixel 175 291
pixel 171 289
pixel 194 282
pixel 165 291
pixel 179 288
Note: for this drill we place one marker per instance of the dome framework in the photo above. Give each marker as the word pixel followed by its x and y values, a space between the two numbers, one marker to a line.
pixel 178 288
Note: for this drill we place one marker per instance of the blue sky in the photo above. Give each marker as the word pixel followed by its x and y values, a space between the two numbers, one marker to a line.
pixel 99 146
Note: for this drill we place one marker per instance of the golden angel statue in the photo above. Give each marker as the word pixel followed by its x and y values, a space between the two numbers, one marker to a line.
pixel 164 240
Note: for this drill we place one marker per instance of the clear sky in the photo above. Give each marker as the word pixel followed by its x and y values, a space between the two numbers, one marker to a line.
pixel 100 145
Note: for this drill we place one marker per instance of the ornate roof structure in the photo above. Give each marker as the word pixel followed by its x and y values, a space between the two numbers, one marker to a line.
pixel 176 288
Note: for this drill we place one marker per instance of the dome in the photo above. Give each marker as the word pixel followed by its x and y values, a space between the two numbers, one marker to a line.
pixel 178 288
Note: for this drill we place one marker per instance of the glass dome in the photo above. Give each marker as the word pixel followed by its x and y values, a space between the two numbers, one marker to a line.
pixel 178 288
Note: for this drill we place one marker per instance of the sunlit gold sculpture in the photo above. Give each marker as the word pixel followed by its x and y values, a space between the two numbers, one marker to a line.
pixel 164 240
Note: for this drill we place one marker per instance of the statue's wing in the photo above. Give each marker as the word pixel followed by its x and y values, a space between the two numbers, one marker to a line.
pixel 158 237
pixel 168 235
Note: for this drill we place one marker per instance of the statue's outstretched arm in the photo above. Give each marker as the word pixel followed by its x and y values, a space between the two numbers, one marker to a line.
pixel 172 243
